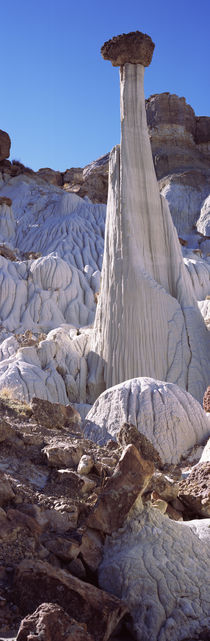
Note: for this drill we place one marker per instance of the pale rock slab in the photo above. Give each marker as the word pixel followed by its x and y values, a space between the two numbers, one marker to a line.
pixel 161 569
pixel 199 271
pixel 203 223
pixel 143 271
pixel 168 416
pixel 186 204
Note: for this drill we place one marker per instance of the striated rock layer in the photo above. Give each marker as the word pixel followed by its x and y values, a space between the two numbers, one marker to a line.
pixel 147 320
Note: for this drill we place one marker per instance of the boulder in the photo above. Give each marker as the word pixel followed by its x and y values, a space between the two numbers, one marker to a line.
pixel 194 491
pixel 36 582
pixel 130 434
pixel 54 415
pixel 5 143
pixel 134 47
pixel 120 491
pixel 6 491
pixel 206 400
pixel 50 622
pixel 161 567
pixel 170 418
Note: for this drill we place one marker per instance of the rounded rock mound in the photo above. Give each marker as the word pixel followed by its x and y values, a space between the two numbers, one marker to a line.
pixel 167 415
pixel 51 272
pixel 134 47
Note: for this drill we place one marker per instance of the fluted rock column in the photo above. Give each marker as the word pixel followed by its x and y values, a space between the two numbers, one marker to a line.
pixel 147 320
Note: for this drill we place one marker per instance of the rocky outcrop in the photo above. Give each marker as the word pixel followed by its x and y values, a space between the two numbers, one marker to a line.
pixel 51 623
pixel 128 482
pixel 5 143
pixel 143 269
pixel 38 582
pixel 171 419
pixel 206 400
pixel 134 47
pixel 194 491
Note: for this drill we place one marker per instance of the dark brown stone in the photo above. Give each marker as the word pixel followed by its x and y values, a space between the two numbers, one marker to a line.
pixel 51 623
pixel 130 434
pixel 5 143
pixel 54 414
pixel 36 582
pixel 202 133
pixel 5 201
pixel 134 47
pixel 120 491
pixel 206 400
pixel 194 491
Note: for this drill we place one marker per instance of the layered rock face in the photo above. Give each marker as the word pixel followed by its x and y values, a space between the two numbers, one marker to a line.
pixel 147 320
pixel 5 143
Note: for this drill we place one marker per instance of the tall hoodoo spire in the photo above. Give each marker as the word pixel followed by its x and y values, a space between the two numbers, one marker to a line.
pixel 147 320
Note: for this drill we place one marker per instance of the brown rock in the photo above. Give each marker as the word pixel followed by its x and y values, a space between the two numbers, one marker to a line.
pixel 194 491
pixel 51 176
pixel 5 144
pixel 120 491
pixel 206 400
pixel 164 486
pixel 63 453
pixel 5 201
pixel 129 434
pixel 37 581
pixel 65 549
pixel 6 491
pixel 202 132
pixel 92 181
pixel 91 549
pixel 77 568
pixel 51 623
pixel 54 414
pixel 7 252
pixel 134 47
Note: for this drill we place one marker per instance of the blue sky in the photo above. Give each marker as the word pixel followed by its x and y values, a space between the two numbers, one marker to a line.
pixel 60 99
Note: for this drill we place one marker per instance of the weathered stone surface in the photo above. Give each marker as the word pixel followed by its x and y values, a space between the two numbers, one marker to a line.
pixel 205 457
pixel 194 491
pixel 143 254
pixel 36 582
pixel 162 569
pixel 206 400
pixel 6 491
pixel 91 549
pixel 129 479
pixel 171 419
pixel 54 414
pixel 63 453
pixel 85 465
pixel 51 176
pixel 130 434
pixel 51 623
pixel 164 486
pixel 134 47
pixel 5 143
pixel 202 133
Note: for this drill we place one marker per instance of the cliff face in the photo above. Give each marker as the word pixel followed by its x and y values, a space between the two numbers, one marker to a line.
pixel 180 141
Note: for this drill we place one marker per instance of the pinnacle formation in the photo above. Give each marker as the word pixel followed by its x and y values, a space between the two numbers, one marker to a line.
pixel 134 47
pixel 147 320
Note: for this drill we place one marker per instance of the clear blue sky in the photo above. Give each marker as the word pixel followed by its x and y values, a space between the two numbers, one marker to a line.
pixel 59 98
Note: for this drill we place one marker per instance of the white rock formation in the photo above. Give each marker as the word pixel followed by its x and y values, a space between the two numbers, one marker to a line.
pixel 203 223
pixel 169 416
pixel 59 286
pixel 53 370
pixel 186 205
pixel 147 320
pixel 161 568
pixel 199 271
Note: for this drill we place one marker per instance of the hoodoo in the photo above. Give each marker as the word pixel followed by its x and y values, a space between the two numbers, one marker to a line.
pixel 147 321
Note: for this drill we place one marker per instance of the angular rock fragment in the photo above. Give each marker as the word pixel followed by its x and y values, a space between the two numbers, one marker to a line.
pixel 120 491
pixel 5 143
pixel 130 434
pixel 206 400
pixel 37 582
pixel 54 414
pixel 51 623
pixel 194 491
pixel 134 47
